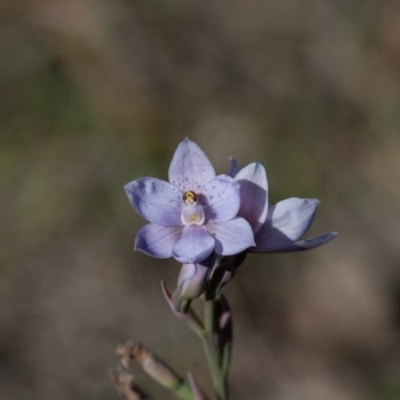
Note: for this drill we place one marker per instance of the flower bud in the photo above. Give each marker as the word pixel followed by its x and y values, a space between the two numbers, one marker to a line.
pixel 192 280
pixel 151 364
pixel 126 386
pixel 196 390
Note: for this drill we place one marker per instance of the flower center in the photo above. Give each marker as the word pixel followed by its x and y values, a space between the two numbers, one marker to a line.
pixel 192 211
pixel 190 197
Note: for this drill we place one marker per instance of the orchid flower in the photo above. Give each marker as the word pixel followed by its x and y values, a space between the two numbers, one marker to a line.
pixel 209 223
pixel 193 214
pixel 279 227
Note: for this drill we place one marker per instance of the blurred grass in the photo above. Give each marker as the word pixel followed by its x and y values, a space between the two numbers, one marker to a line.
pixel 390 391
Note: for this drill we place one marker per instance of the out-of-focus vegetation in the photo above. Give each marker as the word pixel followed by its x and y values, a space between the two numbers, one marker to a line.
pixel 94 94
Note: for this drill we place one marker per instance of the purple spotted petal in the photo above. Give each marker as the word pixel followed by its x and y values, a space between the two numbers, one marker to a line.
pixel 157 201
pixel 194 245
pixel 158 241
pixel 231 237
pixel 253 194
pixel 190 169
pixel 221 199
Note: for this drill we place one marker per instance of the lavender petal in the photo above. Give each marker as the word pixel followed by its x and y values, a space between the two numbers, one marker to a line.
pixel 155 200
pixel 231 237
pixel 158 241
pixel 253 194
pixel 286 222
pixel 234 167
pixel 301 245
pixel 221 199
pixel 194 245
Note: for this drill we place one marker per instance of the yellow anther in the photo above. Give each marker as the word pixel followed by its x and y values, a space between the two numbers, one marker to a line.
pixel 190 197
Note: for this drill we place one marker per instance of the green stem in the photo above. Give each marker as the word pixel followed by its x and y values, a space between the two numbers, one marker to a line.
pixel 219 377
pixel 184 391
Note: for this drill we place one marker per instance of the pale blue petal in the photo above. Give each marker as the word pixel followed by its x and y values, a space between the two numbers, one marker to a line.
pixel 287 246
pixel 234 167
pixel 194 245
pixel 253 195
pixel 286 222
pixel 190 169
pixel 158 241
pixel 157 201
pixel 231 237
pixel 309 243
pixel 221 199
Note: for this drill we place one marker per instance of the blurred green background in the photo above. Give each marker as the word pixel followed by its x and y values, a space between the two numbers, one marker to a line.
pixel 94 94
